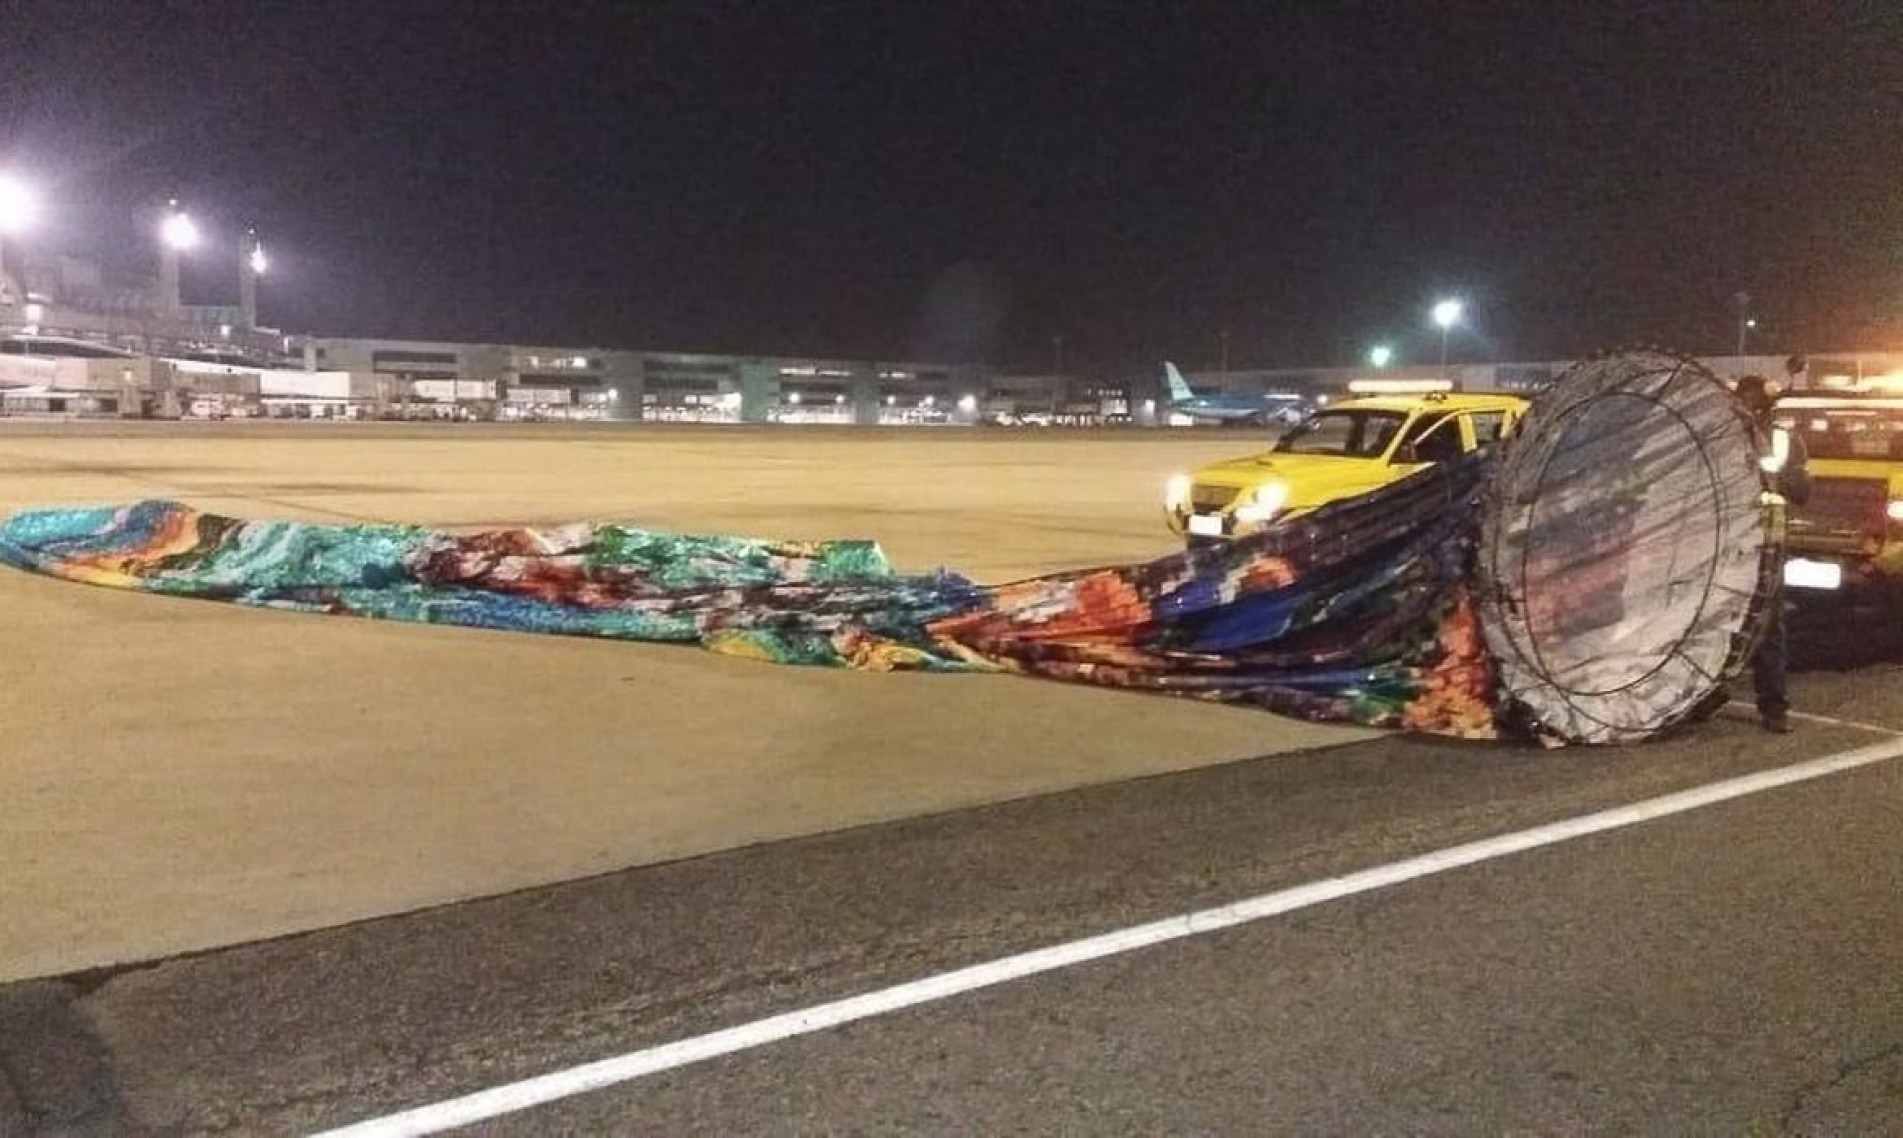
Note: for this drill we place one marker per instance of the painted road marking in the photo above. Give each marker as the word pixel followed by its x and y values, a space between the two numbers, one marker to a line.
pixel 1745 709
pixel 542 1089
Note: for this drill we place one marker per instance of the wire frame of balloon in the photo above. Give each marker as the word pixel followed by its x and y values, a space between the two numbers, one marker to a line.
pixel 1627 560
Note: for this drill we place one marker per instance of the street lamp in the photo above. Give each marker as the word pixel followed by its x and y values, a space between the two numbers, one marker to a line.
pixel 255 262
pixel 1380 355
pixel 17 209
pixel 17 205
pixel 177 233
pixel 1446 314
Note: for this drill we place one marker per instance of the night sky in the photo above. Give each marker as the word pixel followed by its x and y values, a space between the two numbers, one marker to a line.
pixel 970 182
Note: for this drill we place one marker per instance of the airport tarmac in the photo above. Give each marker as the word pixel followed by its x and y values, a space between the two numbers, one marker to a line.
pixel 185 775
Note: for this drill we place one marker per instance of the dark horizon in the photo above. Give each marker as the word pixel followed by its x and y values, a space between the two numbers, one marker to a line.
pixel 972 184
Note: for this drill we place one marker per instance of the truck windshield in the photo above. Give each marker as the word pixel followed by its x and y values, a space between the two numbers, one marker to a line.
pixel 1866 432
pixel 1351 434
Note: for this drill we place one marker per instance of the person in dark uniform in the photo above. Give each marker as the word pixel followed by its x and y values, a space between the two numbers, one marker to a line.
pixel 1786 468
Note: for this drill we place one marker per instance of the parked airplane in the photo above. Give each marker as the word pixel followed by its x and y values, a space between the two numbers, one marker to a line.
pixel 1241 410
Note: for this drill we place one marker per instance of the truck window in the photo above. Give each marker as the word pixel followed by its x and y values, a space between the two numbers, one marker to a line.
pixel 1352 434
pixel 1440 442
pixel 1489 426
pixel 1417 430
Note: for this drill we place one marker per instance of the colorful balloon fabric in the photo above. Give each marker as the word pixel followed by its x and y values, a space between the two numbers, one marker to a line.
pixel 1358 612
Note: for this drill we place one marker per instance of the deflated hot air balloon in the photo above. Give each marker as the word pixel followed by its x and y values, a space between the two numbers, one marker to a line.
pixel 1596 579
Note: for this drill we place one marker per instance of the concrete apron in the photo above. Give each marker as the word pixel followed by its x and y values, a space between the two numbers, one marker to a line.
pixel 181 775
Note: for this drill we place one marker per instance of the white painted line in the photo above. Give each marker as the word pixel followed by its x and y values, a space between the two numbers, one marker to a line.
pixel 1746 709
pixel 512 1097
pixel 1854 724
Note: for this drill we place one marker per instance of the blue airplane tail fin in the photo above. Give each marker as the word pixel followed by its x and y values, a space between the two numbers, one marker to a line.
pixel 1179 388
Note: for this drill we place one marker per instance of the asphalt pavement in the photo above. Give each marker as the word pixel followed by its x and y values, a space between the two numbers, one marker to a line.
pixel 1732 969
pixel 177 776
pixel 1718 974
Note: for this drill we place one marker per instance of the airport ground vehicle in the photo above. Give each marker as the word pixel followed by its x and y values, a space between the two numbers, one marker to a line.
pixel 1350 448
pixel 1846 543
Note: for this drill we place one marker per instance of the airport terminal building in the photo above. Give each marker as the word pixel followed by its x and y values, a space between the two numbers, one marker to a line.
pixel 517 381
pixel 74 341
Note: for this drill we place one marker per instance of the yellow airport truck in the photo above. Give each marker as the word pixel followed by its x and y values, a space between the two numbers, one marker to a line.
pixel 1846 543
pixel 1348 449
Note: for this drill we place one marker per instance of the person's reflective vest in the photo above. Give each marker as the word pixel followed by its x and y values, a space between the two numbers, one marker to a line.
pixel 1786 468
pixel 1780 453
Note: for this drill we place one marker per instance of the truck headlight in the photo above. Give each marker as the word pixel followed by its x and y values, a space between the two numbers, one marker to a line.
pixel 1176 491
pixel 1894 511
pixel 1263 503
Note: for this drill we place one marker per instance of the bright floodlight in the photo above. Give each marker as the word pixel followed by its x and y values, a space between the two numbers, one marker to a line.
pixel 1380 355
pixel 258 260
pixel 1447 314
pixel 17 205
pixel 178 231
